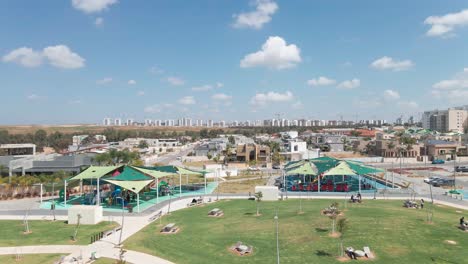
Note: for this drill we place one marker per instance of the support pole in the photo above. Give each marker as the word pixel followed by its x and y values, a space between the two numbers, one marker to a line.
pixel 180 184
pixel 41 192
pixel 65 192
pixel 157 190
pixel 98 198
pixel 359 177
pixel 138 202
pixel 204 176
pixel 318 189
pixel 81 186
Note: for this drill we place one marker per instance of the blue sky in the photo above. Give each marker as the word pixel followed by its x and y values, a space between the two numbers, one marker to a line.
pixel 77 61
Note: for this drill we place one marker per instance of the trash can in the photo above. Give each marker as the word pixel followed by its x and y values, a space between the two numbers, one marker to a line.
pixel 52 206
pixel 130 208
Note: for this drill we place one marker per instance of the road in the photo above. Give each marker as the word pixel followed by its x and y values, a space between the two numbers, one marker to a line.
pixel 171 158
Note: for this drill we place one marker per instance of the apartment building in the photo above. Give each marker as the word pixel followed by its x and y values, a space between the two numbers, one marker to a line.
pixel 452 119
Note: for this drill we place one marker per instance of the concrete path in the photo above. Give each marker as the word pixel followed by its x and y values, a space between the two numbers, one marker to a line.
pixel 49 249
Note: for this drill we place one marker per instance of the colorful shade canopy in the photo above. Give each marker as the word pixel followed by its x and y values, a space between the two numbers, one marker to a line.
pixel 342 169
pixel 175 170
pixel 95 172
pixel 306 168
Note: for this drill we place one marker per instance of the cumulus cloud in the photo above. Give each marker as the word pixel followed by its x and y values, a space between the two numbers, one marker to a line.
pixel 321 81
pixel 443 26
pixel 455 89
pixel 92 6
pixel 131 82
pixel 388 63
pixel 221 97
pixel 219 84
pixel 141 93
pixel 274 54
pixel 175 81
pixel 203 88
pixel 187 100
pixel 391 95
pixel 33 97
pixel 24 56
pixel 104 80
pixel 350 84
pixel 264 10
pixel 155 70
pixel 59 56
pixel 99 21
pixel 297 105
pixel 408 104
pixel 157 108
pixel 261 99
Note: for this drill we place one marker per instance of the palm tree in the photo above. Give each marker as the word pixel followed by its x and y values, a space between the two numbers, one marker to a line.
pixel 343 226
pixel 258 198
pixel 391 145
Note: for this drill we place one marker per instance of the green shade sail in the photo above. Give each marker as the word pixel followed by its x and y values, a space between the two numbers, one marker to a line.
pixel 342 169
pixel 134 186
pixel 154 173
pixel 175 170
pixel 305 169
pixel 95 172
pixel 129 174
pixel 362 169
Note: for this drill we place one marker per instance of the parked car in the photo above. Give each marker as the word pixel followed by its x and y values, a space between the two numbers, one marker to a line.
pixel 276 167
pixel 461 168
pixel 438 161
pixel 430 179
pixel 253 169
pixel 442 182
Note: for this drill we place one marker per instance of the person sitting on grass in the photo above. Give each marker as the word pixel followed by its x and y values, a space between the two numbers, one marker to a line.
pixel 462 221
pixel 350 253
pixel 352 198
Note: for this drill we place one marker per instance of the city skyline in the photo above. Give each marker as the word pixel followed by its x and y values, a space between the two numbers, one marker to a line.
pixel 227 60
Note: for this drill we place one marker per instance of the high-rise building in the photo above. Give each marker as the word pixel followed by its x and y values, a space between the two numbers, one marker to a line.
pixel 452 119
pixel 117 122
pixel 129 122
pixel 107 121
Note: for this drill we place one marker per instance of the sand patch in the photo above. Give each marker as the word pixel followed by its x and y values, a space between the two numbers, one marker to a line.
pixel 336 234
pixel 450 242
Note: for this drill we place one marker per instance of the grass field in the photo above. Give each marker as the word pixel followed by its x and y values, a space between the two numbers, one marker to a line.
pixel 395 234
pixel 47 233
pixel 245 186
pixel 30 259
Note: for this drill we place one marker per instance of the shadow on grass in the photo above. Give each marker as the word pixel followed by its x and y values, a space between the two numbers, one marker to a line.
pixel 439 260
pixel 322 253
pixel 321 230
pixel 248 213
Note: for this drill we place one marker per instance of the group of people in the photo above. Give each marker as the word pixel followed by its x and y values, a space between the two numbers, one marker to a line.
pixel 356 198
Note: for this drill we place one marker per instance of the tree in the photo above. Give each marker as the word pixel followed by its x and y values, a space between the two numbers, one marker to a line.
pixel 333 213
pixel 258 199
pixel 217 158
pixel 143 144
pixel 391 145
pixel 342 227
pixel 209 156
pixel 276 158
pixel 356 133
pixel 232 140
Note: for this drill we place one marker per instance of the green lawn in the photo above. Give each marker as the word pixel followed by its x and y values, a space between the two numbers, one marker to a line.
pixel 395 234
pixel 30 259
pixel 47 233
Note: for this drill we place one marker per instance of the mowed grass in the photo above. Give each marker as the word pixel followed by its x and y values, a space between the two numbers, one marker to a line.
pixel 30 259
pixel 47 233
pixel 395 234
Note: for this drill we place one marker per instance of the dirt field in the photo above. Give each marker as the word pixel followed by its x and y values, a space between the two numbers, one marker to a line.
pixel 87 128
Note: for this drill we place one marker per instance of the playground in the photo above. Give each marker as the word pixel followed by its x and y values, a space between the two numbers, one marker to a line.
pixel 393 233
pixel 129 188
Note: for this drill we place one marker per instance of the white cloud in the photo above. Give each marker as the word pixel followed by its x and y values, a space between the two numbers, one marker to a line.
pixel 221 97
pixel 260 16
pixel 441 26
pixel 156 70
pixel 271 97
pixel 350 84
pixel 219 84
pixel 175 81
pixel 202 88
pixel 99 21
pixel 275 54
pixel 408 104
pixel 34 97
pixel 388 63
pixel 104 80
pixel 24 56
pixel 391 95
pixel 61 56
pixel 75 102
pixel 187 100
pixel 321 81
pixel 157 108
pixel 455 90
pixel 131 82
pixel 141 93
pixel 92 6
pixel 297 105
pixel 459 81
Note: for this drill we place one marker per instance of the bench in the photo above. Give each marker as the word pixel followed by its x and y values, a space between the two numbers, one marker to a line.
pixel 369 254
pixel 169 228
pixel 215 212
pixel 154 217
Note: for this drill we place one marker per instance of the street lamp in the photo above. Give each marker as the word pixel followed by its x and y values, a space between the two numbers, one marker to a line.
pixel 123 218
pixel 277 238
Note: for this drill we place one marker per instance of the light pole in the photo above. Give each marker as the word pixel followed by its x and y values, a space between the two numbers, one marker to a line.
pixel 277 238
pixel 122 225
